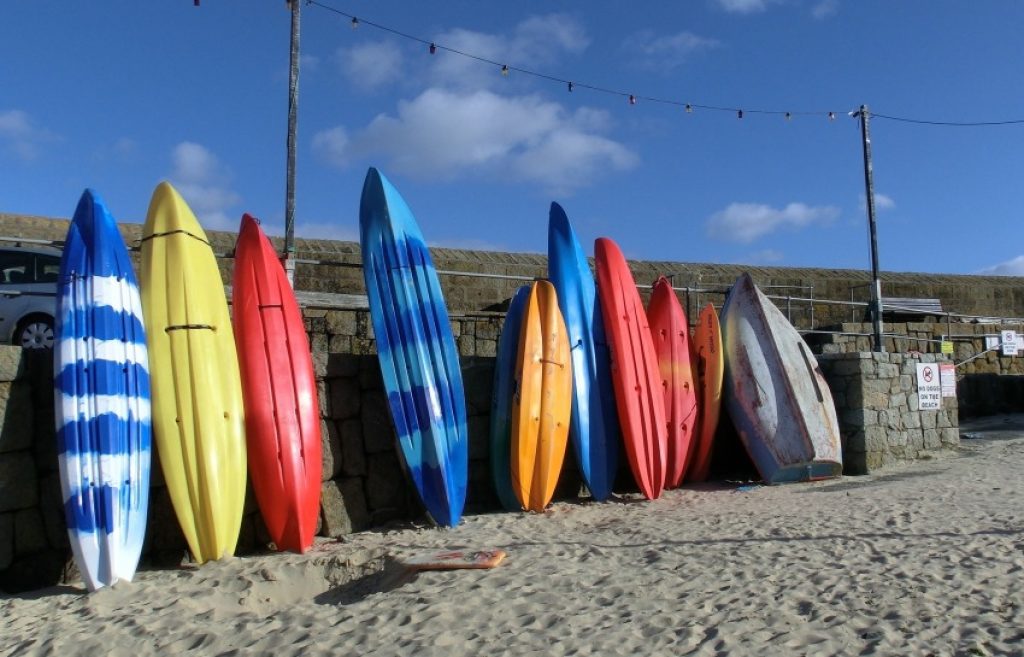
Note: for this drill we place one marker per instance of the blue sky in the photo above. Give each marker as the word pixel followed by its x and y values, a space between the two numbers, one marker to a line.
pixel 118 95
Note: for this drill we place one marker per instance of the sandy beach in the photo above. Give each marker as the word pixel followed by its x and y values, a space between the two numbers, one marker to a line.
pixel 926 559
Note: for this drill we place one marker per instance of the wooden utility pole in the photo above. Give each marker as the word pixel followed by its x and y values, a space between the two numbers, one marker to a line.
pixel 293 110
pixel 869 185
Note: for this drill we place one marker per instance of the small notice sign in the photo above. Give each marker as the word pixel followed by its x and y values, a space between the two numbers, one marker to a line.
pixel 947 347
pixel 929 387
pixel 1010 345
pixel 947 376
pixel 991 342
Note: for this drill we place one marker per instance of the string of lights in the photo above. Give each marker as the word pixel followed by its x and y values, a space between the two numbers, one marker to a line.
pixel 633 98
pixel 571 85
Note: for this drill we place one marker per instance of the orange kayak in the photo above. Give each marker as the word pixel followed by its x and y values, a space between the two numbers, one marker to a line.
pixel 542 401
pixel 709 366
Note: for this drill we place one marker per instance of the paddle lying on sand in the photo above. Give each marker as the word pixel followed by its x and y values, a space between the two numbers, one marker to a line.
pixel 454 559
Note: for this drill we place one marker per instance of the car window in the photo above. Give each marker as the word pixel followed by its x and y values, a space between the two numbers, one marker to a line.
pixel 47 269
pixel 16 267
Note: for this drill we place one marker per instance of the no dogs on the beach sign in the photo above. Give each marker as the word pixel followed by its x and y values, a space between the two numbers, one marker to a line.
pixel 929 387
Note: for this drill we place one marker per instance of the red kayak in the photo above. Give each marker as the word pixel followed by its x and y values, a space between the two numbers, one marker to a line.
pixel 671 334
pixel 282 417
pixel 635 377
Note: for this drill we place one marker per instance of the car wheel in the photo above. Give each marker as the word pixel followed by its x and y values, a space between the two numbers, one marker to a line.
pixel 35 332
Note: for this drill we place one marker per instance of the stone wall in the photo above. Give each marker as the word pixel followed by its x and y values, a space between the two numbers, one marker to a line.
pixel 879 416
pixel 996 296
pixel 364 484
pixel 987 381
pixel 33 542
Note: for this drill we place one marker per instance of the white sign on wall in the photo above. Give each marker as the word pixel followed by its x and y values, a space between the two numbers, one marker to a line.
pixel 991 342
pixel 929 387
pixel 947 377
pixel 1010 345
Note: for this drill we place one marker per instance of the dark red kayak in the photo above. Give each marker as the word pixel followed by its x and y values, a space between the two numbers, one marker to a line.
pixel 282 417
pixel 638 393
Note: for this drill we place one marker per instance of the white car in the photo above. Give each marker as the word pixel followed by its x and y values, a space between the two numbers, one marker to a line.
pixel 28 295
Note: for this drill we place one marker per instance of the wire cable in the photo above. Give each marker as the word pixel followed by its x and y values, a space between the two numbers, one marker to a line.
pixel 633 98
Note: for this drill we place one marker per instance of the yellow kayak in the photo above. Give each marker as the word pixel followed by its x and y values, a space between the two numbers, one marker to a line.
pixel 197 396
pixel 543 399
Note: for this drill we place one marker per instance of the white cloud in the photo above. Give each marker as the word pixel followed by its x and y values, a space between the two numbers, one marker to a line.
pixel 536 41
pixel 331 146
pixel 461 125
pixel 883 202
pixel 21 136
pixel 765 257
pixel 825 8
pixel 743 6
pixel 669 51
pixel 371 65
pixel 309 63
pixel 122 150
pixel 205 184
pixel 442 134
pixel 1013 267
pixel 746 222
pixel 125 147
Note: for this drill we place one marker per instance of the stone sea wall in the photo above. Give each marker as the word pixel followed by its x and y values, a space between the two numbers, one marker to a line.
pixel 987 381
pixel 880 418
pixel 996 296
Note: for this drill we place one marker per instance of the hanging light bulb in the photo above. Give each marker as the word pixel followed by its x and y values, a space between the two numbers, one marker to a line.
pixel 433 49
pixel 570 86
pixel 789 116
pixel 355 22
pixel 739 114
pixel 504 70
pixel 689 108
pixel 632 99
pixel 831 116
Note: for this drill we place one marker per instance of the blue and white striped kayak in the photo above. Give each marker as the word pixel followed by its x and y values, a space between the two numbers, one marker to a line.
pixel 416 350
pixel 102 398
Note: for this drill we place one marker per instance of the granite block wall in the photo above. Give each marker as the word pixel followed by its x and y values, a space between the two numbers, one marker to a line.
pixel 880 419
pixel 988 382
pixel 995 296
pixel 33 541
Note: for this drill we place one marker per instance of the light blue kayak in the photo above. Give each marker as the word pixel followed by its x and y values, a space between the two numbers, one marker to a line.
pixel 102 398
pixel 594 427
pixel 501 400
pixel 416 350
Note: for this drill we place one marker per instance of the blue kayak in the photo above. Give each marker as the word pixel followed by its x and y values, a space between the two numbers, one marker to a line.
pixel 594 424
pixel 416 350
pixel 501 400
pixel 101 378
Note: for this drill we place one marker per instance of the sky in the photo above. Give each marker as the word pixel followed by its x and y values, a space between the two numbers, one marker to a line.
pixel 118 95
